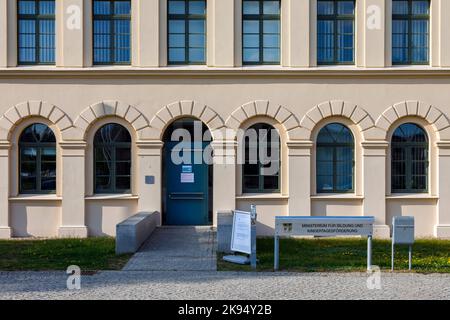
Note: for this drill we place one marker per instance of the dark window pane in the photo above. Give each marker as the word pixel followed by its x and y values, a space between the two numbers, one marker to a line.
pixel 112 144
pixel 261 171
pixel 335 31
pixel 37 149
pixel 187 32
pixel 409 159
pixel 123 183
pixel 112 32
pixel 410 32
pixel 334 159
pixel 48 184
pixel 261 32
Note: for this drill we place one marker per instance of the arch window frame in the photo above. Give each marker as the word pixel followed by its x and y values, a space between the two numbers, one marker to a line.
pixel 335 146
pixel 113 161
pixel 261 189
pixel 39 148
pixel 408 160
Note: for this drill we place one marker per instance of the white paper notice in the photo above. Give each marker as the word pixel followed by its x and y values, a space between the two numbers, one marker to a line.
pixel 241 236
pixel 187 178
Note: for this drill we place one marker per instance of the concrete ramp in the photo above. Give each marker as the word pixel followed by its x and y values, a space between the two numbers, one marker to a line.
pixel 177 249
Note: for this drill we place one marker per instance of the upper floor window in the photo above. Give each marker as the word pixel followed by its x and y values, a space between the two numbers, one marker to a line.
pixel 335 159
pixel 335 31
pixel 261 32
pixel 112 159
pixel 409 159
pixel 261 169
pixel 410 31
pixel 36 32
pixel 37 160
pixel 112 31
pixel 187 31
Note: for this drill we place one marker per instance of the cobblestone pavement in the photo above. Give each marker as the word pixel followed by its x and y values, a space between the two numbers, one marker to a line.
pixel 222 285
pixel 177 249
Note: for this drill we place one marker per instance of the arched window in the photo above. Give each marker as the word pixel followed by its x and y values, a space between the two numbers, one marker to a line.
pixel 112 159
pixel 37 157
pixel 335 159
pixel 409 159
pixel 261 169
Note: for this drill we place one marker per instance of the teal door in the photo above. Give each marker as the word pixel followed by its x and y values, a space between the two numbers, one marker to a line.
pixel 186 187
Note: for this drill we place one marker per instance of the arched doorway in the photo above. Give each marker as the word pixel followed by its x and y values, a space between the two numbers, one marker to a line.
pixel 187 174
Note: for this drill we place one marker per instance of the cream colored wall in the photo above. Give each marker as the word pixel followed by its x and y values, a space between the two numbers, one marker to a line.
pixel 35 218
pixel 103 215
pixel 336 207
pixel 267 210
pixel 296 97
pixel 423 211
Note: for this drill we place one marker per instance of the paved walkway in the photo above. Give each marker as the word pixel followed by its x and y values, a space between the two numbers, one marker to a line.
pixel 214 285
pixel 177 249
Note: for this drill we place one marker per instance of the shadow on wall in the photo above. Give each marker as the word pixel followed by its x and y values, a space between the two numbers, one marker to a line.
pixel 263 230
pixel 35 219
pixel 102 216
pixel 423 210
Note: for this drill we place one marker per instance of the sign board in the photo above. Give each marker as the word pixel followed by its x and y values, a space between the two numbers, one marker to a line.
pixel 187 178
pixel 241 240
pixel 149 179
pixel 186 169
pixel 324 226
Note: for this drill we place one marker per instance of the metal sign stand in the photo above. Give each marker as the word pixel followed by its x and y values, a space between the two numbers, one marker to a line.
pixel 238 259
pixel 369 253
pixel 409 257
pixel 253 236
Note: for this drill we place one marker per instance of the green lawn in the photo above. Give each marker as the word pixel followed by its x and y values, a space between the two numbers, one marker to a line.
pixel 90 254
pixel 344 255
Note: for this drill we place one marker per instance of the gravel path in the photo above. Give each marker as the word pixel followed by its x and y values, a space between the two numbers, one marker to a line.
pixel 222 285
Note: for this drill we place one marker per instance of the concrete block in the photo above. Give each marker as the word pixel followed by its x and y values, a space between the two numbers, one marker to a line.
pixel 224 229
pixel 132 232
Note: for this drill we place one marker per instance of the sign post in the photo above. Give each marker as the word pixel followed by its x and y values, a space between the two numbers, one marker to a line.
pixel 323 227
pixel 253 237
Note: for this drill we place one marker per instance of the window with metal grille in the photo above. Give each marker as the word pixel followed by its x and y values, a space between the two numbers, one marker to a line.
pixel 112 31
pixel 335 159
pixel 410 31
pixel 261 169
pixel 409 159
pixel 36 32
pixel 187 31
pixel 112 159
pixel 335 32
pixel 260 32
pixel 37 160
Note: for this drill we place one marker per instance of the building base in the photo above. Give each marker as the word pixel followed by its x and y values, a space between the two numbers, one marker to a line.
pixel 381 231
pixel 443 231
pixel 5 233
pixel 73 232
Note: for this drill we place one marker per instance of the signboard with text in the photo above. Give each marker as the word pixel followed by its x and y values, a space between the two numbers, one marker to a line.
pixel 241 233
pixel 324 226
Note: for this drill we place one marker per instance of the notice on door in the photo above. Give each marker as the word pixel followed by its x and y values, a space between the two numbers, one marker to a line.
pixel 241 234
pixel 187 178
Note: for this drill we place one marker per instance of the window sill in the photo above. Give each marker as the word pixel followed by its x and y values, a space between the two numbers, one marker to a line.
pixel 422 196
pixel 262 196
pixel 36 197
pixel 112 197
pixel 337 197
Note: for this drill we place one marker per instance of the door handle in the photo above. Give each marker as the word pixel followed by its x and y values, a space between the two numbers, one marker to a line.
pixel 186 196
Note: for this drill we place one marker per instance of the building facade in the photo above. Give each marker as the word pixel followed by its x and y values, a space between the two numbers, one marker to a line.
pixel 359 92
